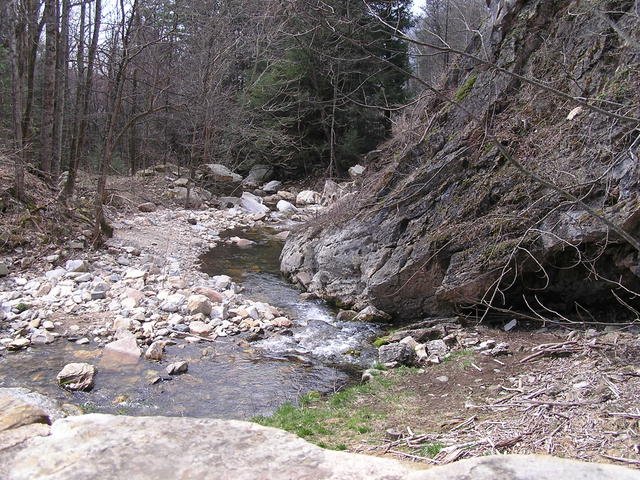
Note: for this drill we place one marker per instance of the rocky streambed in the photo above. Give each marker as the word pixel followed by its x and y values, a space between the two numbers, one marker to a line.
pixel 149 332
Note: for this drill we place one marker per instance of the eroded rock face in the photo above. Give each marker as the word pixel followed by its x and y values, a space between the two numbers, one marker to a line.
pixel 150 448
pixel 436 228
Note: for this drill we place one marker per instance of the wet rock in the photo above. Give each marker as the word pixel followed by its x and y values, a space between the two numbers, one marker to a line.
pixel 4 269
pixel 147 207
pixel 177 368
pixel 281 322
pixel 396 353
pixel 200 328
pixel 372 314
pixel 198 304
pixel 42 337
pixel 18 344
pixel 155 350
pixel 346 315
pixel 308 197
pixel 76 266
pixel 242 242
pixel 124 351
pixel 77 376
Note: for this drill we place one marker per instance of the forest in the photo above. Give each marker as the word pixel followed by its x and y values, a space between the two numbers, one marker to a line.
pixel 308 87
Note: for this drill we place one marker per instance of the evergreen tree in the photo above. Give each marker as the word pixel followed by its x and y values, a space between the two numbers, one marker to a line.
pixel 327 97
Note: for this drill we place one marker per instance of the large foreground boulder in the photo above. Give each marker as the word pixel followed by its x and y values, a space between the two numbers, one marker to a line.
pixel 138 448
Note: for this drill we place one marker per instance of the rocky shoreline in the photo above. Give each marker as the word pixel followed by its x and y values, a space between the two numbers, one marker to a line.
pixel 144 290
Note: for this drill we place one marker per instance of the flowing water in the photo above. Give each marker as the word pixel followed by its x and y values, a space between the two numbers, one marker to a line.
pixel 224 380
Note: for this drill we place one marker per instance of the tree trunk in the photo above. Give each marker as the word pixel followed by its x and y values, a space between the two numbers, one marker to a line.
pixel 62 61
pixel 17 80
pixel 48 88
pixel 79 142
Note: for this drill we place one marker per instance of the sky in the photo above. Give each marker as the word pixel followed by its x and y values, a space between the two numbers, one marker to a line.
pixel 416 7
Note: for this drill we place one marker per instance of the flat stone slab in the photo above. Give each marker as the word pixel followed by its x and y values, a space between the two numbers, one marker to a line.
pixel 138 448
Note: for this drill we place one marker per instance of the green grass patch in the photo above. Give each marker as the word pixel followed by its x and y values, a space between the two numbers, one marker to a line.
pixel 342 418
pixel 431 449
pixel 22 307
pixel 380 341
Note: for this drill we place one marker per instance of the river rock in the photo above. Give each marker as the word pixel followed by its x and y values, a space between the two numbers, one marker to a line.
pixel 18 344
pixel 346 315
pixel 76 266
pixel 177 368
pixel 258 175
pixel 220 282
pixel 272 187
pixel 308 197
pixel 220 173
pixel 4 270
pixel 372 314
pixel 124 351
pixel 77 376
pixel 397 353
pixel 288 196
pixel 147 207
pixel 42 337
pixel 198 304
pixel 281 322
pixel 55 273
pixel 210 293
pixel 252 203
pixel 131 298
pixel 173 302
pixel 200 328
pixel 134 274
pixel 155 350
pixel 284 206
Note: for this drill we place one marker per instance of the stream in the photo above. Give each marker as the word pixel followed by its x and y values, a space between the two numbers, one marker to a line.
pixel 226 378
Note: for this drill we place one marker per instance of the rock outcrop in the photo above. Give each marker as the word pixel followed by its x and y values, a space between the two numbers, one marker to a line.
pixel 445 217
pixel 105 446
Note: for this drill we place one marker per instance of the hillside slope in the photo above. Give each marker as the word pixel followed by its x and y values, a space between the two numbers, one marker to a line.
pixel 447 222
